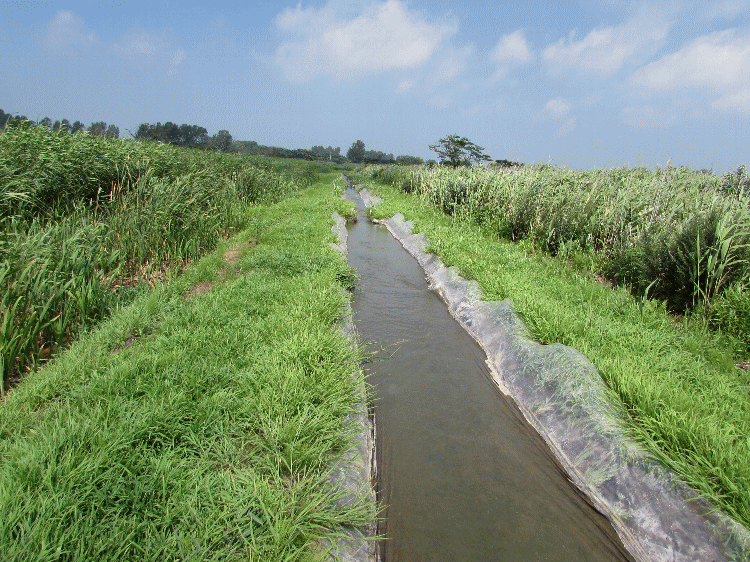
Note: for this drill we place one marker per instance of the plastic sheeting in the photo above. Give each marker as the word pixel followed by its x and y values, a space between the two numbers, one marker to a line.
pixel 563 397
pixel 355 474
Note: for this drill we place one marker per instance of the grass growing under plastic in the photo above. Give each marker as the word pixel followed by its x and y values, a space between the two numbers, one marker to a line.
pixel 200 422
pixel 689 404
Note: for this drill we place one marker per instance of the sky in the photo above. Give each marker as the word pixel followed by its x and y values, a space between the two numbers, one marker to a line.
pixel 581 85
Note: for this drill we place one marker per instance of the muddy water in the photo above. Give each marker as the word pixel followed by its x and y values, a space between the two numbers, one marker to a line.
pixel 463 475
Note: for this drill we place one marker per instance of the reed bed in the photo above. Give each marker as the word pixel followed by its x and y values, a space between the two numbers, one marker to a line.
pixel 669 234
pixel 84 219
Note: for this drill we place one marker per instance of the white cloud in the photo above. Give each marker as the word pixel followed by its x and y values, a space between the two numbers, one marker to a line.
pixel 512 50
pixel 385 36
pixel 738 102
pixel 150 49
pixel 607 50
pixel 557 108
pixel 725 10
pixel 67 30
pixel 648 116
pixel 452 63
pixel 404 86
pixel 719 61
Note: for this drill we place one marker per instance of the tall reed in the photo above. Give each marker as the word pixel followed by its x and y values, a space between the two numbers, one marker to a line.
pixel 83 216
pixel 680 235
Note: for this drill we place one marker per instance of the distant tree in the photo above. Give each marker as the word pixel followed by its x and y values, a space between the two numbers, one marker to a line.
pixel 56 125
pixel 406 159
pixel 77 127
pixel 457 151
pixel 507 164
pixel 47 122
pixel 222 141
pixel 170 132
pixel 99 128
pixel 146 131
pixel 193 135
pixel 113 132
pixel 356 152
pixel 65 126
pixel 3 118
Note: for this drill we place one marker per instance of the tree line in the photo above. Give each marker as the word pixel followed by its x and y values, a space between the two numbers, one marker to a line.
pixel 193 136
pixel 97 128
pixel 357 153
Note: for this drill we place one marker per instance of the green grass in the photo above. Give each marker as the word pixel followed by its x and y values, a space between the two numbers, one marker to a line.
pixel 688 403
pixel 195 428
pixel 86 220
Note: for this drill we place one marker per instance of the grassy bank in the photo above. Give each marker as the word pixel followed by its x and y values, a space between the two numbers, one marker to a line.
pixel 87 221
pixel 199 422
pixel 688 402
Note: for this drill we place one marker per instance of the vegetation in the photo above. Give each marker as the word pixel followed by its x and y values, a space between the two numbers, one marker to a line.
pixel 675 235
pixel 356 152
pixel 200 422
pixel 86 220
pixel 455 151
pixel 688 402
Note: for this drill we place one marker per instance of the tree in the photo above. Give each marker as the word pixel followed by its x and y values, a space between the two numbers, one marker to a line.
pixel 47 122
pixel 77 127
pixel 222 141
pixel 99 128
pixel 65 126
pixel 458 151
pixel 113 132
pixel 356 152
pixel 406 159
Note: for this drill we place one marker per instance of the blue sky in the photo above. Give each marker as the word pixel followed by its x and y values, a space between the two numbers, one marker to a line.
pixel 579 84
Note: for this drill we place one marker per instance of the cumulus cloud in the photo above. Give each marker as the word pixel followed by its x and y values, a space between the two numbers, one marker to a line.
pixel 453 62
pixel 384 36
pixel 606 50
pixel 557 108
pixel 512 50
pixel 719 60
pixel 150 49
pixel 67 30
pixel 738 102
pixel 405 86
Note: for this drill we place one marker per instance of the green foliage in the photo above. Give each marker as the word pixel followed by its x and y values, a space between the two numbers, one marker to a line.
pixel 673 231
pixel 736 183
pixel 356 152
pixel 456 151
pixel 85 214
pixel 409 160
pixel 731 313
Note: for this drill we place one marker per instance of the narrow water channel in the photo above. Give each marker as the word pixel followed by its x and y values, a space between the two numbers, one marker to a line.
pixel 462 473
